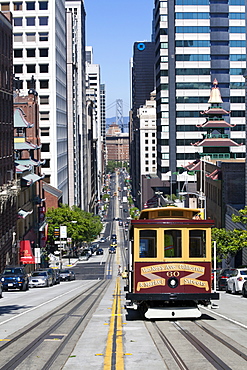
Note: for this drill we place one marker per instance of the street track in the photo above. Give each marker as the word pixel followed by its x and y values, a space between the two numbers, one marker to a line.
pixel 184 344
pixel 51 338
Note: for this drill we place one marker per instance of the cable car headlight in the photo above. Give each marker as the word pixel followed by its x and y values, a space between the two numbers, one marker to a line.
pixel 173 282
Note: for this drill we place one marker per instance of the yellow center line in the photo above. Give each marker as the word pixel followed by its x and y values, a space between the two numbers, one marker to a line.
pixel 116 306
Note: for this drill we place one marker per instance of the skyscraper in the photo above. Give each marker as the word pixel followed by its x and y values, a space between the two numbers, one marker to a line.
pixel 197 41
pixel 76 98
pixel 39 43
pixel 142 84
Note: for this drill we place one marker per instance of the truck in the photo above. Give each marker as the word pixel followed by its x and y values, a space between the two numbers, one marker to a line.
pixel 125 200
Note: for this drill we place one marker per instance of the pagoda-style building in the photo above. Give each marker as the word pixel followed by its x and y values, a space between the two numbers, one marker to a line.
pixel 217 142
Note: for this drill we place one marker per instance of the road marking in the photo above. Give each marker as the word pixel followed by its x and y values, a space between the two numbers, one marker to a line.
pixel 114 346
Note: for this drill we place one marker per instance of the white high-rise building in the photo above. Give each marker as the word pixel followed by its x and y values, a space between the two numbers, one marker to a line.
pixel 76 98
pixel 39 43
pixel 196 42
pixel 93 84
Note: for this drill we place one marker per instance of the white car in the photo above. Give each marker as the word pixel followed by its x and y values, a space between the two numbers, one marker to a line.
pixel 236 280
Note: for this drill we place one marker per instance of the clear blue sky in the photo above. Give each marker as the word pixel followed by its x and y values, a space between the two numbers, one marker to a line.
pixel 112 27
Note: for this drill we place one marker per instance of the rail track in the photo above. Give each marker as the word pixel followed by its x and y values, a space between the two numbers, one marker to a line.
pixel 186 344
pixel 51 338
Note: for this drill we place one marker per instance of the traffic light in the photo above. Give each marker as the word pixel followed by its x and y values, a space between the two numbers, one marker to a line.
pixel 56 232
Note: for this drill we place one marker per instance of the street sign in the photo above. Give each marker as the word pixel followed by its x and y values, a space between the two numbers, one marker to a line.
pixel 63 232
pixel 60 242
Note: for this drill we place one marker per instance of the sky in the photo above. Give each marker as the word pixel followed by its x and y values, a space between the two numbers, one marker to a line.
pixel 112 27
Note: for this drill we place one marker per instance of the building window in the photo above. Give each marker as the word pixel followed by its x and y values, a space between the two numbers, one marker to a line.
pixel 153 148
pixel 43 52
pixel 18 22
pixel 45 148
pixel 44 131
pixel 17 5
pixel 146 134
pixel 153 141
pixel 146 141
pixel 30 53
pixel 5 7
pixel 31 84
pixel 43 21
pixel 31 36
pixel 146 162
pixel 30 21
pixel 30 5
pixel 146 169
pixel 46 164
pixel 43 5
pixel 18 37
pixel 43 36
pixel 146 148
pixel 44 84
pixel 43 99
pixel 44 116
pixel 31 68
pixel 44 68
pixel 18 53
pixel 18 68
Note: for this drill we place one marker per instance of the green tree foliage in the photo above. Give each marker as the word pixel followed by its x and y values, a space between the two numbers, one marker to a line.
pixel 228 242
pixel 82 226
pixel 242 218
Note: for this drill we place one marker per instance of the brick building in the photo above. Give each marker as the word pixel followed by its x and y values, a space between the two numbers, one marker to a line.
pixel 117 144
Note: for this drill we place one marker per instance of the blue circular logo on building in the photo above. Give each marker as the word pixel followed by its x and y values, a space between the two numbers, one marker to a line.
pixel 141 46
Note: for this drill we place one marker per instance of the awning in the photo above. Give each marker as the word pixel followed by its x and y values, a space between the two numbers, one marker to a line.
pixel 19 119
pixel 24 214
pixel 26 254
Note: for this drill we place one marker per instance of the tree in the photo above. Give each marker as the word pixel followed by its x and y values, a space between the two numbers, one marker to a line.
pixel 228 242
pixel 82 226
pixel 242 218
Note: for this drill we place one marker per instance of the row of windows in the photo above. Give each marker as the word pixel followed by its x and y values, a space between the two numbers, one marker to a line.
pixel 204 99
pixel 204 71
pixel 43 84
pixel 30 53
pixel 31 36
pixel 30 5
pixel 206 15
pixel 208 43
pixel 31 21
pixel 31 68
pixel 192 57
pixel 208 2
pixel 203 85
pixel 183 114
pixel 148 242
pixel 207 29
pixel 191 128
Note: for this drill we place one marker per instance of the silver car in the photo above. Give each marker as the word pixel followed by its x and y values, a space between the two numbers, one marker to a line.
pixel 40 279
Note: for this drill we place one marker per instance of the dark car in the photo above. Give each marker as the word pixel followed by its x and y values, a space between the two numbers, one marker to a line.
pixel 112 250
pixel 1 290
pixel 223 275
pixel 244 289
pixel 15 277
pixel 66 275
pixel 99 251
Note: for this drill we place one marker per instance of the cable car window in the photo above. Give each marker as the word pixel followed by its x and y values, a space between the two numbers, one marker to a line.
pixel 197 243
pixel 172 243
pixel 148 244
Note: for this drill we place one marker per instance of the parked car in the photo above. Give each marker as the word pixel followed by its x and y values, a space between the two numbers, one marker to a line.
pixel 51 272
pixel 85 255
pixel 244 289
pixel 120 223
pixel 114 237
pixel 15 277
pixel 1 289
pixel 66 275
pixel 112 250
pixel 99 251
pixel 224 274
pixel 57 276
pixel 236 280
pixel 94 247
pixel 40 279
pixel 102 240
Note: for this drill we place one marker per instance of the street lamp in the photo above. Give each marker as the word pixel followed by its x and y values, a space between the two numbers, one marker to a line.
pixel 201 197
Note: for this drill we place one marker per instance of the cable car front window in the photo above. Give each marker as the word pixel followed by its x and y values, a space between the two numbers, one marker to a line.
pixel 148 244
pixel 172 243
pixel 197 243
